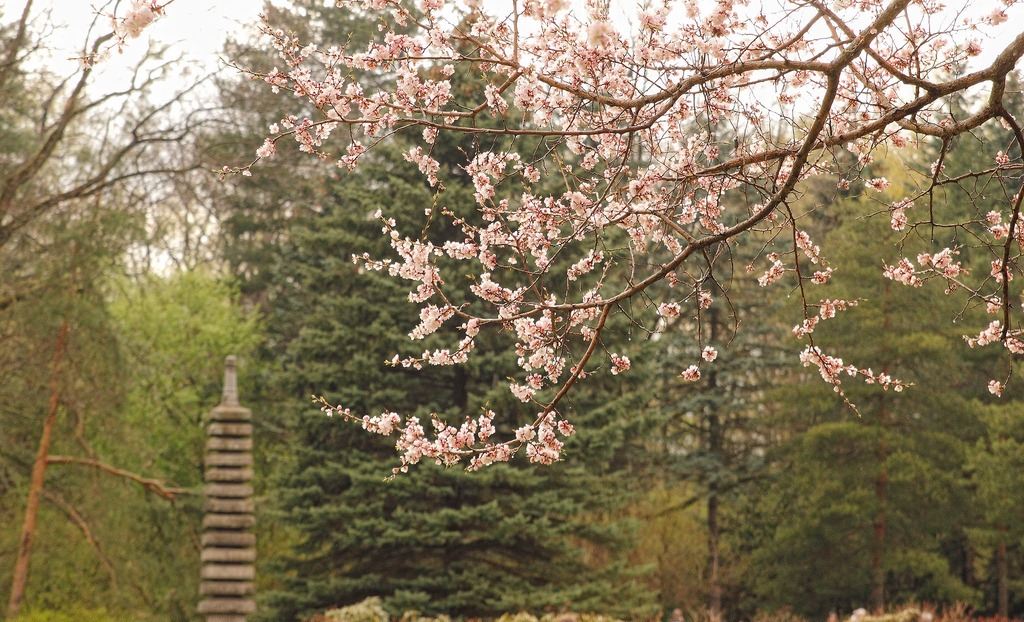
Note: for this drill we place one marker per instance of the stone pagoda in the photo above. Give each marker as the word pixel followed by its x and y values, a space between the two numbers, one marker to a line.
pixel 229 544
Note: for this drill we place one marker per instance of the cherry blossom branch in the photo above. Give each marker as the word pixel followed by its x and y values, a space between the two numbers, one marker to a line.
pixel 629 142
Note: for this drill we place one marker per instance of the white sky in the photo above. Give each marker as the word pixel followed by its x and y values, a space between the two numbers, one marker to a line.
pixel 201 25
pixel 197 29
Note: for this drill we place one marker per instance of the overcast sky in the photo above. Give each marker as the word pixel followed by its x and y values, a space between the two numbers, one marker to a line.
pixel 198 28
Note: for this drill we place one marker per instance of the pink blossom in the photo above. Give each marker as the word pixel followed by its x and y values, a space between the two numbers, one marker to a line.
pixel 821 277
pixel 898 220
pixel 772 274
pixel 585 265
pixel 806 327
pixel 997 271
pixel 654 21
pixel 600 32
pixel 995 18
pixel 987 336
pixel 140 14
pixel 995 388
pixel 602 182
pixel 267 149
pixel 619 364
pixel 524 393
pixel 878 184
pixel 525 433
pixel 704 299
pixel 903 272
pixel 669 310
pixel 830 367
pixel 803 242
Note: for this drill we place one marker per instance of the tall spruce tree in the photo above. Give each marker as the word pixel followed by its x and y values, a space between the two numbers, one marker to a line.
pixel 433 540
pixel 711 433
pixel 870 505
pixel 510 538
pixel 996 467
pixel 993 556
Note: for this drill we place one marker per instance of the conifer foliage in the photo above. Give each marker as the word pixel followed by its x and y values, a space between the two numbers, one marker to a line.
pixel 435 540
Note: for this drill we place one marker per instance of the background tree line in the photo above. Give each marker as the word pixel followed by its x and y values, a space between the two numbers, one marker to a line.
pixel 756 489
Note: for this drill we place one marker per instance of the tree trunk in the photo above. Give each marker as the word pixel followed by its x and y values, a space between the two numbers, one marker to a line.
pixel 877 546
pixel 28 530
pixel 877 603
pixel 1003 593
pixel 970 580
pixel 715 446
pixel 714 588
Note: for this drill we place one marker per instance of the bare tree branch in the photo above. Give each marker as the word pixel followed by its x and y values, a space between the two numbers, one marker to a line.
pixel 82 525
pixel 155 486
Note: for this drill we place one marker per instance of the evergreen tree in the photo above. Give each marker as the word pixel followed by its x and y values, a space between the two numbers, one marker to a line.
pixel 434 540
pixel 711 433
pixel 871 504
pixel 996 467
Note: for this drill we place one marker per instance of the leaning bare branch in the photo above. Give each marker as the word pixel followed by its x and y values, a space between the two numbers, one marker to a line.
pixel 155 486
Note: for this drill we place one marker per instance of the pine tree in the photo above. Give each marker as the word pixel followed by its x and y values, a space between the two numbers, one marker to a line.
pixel 996 465
pixel 871 503
pixel 435 540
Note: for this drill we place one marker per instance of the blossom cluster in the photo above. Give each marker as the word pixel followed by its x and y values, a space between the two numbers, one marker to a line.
pixel 939 265
pixel 141 14
pixel 130 25
pixel 448 445
pixel 832 368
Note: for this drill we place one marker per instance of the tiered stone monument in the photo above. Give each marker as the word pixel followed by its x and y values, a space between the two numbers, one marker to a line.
pixel 229 545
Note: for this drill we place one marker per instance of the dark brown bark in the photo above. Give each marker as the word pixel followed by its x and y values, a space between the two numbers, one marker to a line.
pixel 10 61
pixel 1002 572
pixel 65 107
pixel 715 446
pixel 877 546
pixel 28 530
pixel 714 587
pixel 970 580
pixel 877 602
